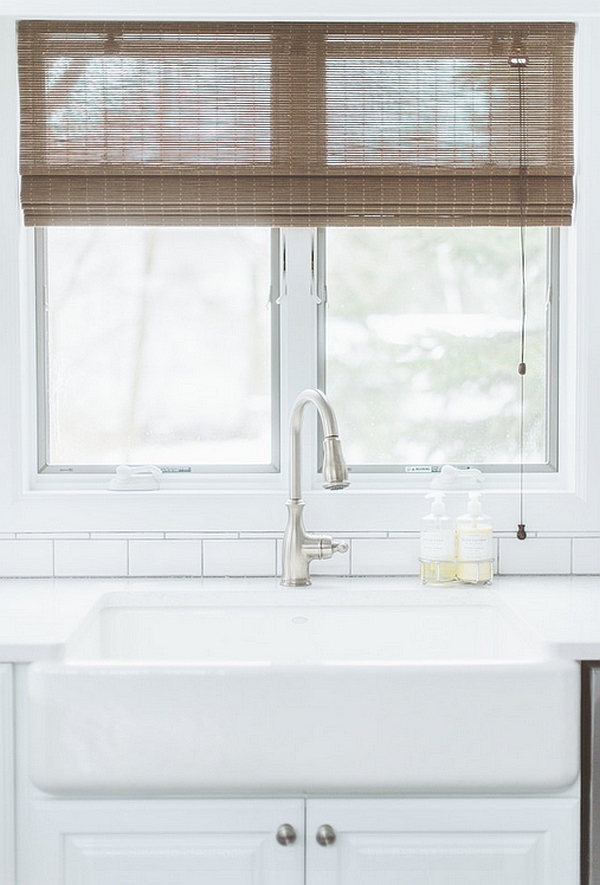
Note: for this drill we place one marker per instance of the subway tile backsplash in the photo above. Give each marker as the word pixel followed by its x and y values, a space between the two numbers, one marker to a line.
pixel 534 556
pixel 27 558
pixel 195 554
pixel 92 559
pixel 385 556
pixel 586 556
pixel 242 558
pixel 157 558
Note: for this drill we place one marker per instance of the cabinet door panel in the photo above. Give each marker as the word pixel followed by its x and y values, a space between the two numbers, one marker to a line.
pixel 167 842
pixel 158 859
pixel 444 842
pixel 438 859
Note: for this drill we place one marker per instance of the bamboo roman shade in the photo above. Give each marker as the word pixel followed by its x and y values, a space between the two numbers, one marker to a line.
pixel 296 123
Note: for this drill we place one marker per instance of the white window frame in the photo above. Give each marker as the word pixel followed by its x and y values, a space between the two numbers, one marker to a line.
pixel 554 256
pixel 564 502
pixel 271 302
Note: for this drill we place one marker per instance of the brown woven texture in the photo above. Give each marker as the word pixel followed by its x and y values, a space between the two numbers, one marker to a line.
pixel 308 124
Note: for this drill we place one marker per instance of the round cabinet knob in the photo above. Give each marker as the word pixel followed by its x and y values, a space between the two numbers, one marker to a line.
pixel 325 835
pixel 286 834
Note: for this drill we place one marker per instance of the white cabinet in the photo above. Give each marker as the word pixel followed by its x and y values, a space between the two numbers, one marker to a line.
pixel 7 827
pixel 421 841
pixel 498 841
pixel 211 842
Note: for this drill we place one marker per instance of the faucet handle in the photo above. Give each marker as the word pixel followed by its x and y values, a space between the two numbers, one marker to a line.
pixel 327 547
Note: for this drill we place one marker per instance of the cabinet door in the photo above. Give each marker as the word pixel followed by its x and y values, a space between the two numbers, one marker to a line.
pixel 7 829
pixel 443 842
pixel 212 842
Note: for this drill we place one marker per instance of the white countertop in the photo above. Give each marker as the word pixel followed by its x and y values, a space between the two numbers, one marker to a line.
pixel 564 610
pixel 38 614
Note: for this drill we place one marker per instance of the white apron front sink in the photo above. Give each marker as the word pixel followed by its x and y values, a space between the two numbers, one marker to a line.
pixel 288 691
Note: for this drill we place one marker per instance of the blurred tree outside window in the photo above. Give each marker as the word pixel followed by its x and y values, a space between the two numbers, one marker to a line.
pixel 159 346
pixel 422 344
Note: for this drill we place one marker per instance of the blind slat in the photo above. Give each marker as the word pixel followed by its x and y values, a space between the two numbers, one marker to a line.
pixel 295 123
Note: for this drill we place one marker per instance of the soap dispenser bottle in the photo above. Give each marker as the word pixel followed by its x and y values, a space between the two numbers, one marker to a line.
pixel 474 544
pixel 437 544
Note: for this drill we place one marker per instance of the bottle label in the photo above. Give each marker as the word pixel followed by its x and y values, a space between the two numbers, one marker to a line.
pixel 475 545
pixel 437 546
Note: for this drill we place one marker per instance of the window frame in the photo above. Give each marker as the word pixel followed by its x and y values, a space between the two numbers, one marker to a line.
pixel 300 329
pixel 551 465
pixel 272 300
pixel 318 292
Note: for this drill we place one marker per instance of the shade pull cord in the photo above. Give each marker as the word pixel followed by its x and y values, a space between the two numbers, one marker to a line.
pixel 519 61
pixel 521 533
pixel 522 370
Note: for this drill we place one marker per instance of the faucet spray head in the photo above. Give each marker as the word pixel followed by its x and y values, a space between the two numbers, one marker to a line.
pixel 335 471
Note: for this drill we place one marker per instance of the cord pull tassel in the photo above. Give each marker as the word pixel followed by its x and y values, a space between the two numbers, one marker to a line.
pixel 521 533
pixel 522 369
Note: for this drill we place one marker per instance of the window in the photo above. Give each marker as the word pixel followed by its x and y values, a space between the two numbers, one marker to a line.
pixel 422 345
pixel 155 347
pixel 388 145
pixel 159 347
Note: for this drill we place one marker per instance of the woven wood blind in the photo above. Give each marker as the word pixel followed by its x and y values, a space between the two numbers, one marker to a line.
pixel 295 123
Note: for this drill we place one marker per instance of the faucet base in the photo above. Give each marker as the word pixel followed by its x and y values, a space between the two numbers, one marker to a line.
pixel 298 583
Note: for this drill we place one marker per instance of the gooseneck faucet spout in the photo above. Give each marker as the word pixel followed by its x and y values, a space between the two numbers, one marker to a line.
pixel 299 547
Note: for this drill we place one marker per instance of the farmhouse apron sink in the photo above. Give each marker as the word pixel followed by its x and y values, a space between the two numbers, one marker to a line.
pixel 283 692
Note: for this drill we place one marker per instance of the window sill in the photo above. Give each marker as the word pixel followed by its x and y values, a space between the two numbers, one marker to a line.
pixel 92 507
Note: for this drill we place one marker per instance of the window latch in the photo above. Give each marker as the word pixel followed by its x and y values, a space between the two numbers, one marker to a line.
pixel 135 479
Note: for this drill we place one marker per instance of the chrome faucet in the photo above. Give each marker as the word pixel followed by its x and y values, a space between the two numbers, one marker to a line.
pixel 299 548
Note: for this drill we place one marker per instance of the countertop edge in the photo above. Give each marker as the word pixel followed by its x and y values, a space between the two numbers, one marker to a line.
pixel 38 615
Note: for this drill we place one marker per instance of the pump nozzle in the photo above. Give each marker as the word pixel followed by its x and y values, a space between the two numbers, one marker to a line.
pixel 474 508
pixel 438 508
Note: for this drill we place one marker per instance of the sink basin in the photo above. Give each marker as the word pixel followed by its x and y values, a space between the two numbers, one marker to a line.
pixel 280 691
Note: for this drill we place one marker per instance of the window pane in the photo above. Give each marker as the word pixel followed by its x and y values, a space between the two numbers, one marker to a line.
pixel 422 344
pixel 159 346
pixel 405 111
pixel 130 109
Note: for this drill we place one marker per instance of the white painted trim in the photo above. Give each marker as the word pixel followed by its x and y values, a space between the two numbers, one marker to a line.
pixel 7 790
pixel 309 10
